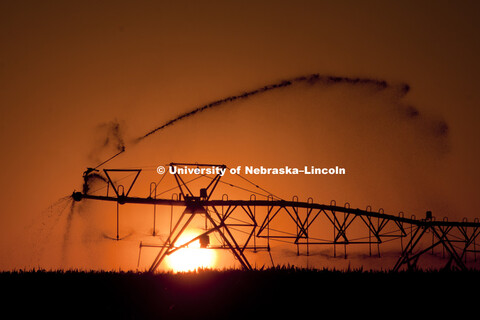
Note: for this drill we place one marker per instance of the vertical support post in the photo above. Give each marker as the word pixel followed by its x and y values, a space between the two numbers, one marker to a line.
pixel 254 229
pixel 206 226
pixel 306 231
pixel 401 215
pixel 307 227
pixel 433 237
pixel 118 222
pixel 120 187
pixel 254 224
pixel 378 236
pixel 154 191
pixel 466 240
pixel 154 218
pixel 268 238
pixel 297 244
pixel 369 209
pixel 474 241
pixel 297 223
pixel 369 242
pixel 445 219
pixel 174 197
pixel 222 229
pixel 269 198
pixel 411 233
pixel 344 231
pixel 139 253
pixel 433 242
pixel 334 235
pixel 379 239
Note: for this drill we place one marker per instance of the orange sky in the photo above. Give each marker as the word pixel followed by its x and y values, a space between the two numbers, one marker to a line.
pixel 68 67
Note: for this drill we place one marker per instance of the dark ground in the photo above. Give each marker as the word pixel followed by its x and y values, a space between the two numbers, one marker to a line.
pixel 287 292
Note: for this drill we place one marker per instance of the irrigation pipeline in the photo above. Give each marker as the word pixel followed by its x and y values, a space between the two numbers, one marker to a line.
pixel 277 203
pixel 457 239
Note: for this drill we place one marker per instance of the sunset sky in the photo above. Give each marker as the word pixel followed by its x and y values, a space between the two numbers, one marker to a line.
pixel 68 68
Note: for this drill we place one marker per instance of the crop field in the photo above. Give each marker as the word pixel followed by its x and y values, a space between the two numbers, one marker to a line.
pixel 226 294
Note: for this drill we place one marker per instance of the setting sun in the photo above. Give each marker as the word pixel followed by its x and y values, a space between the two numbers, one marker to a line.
pixel 191 257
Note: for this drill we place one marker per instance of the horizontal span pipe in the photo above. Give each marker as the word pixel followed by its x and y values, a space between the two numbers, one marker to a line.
pixel 277 203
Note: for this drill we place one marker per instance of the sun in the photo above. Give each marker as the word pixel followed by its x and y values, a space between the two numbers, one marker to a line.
pixel 192 257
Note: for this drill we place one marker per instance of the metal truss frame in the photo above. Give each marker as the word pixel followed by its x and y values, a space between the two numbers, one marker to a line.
pixel 349 226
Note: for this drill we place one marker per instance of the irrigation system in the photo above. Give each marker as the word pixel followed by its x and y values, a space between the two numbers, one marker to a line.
pixel 252 224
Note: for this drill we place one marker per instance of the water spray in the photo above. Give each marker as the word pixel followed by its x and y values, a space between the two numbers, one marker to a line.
pixel 92 172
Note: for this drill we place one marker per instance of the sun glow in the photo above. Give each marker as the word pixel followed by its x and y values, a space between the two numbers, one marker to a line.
pixel 191 257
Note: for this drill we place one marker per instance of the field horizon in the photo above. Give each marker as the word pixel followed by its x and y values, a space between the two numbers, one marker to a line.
pixel 232 293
